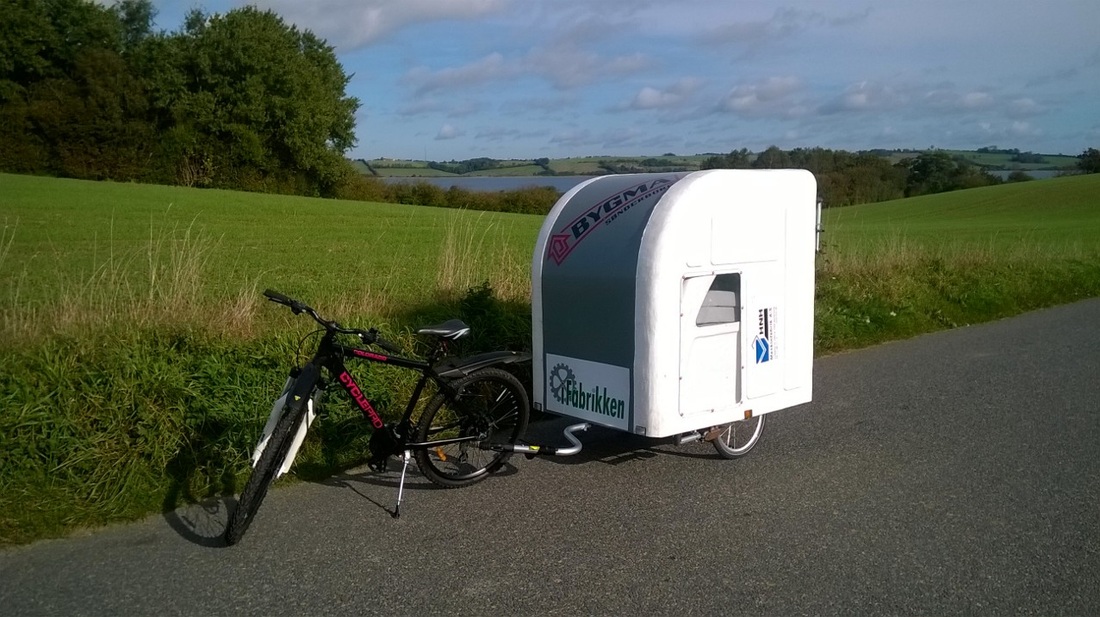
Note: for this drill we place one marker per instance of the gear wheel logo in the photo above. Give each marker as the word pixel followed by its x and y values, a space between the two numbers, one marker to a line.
pixel 560 376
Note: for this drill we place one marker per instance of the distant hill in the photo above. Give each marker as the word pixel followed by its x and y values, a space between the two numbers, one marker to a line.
pixel 989 158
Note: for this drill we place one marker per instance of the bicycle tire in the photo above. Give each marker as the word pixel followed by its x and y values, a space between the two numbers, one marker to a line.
pixel 489 402
pixel 263 474
pixel 739 437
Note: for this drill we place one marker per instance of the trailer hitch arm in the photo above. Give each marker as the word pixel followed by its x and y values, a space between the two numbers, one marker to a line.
pixel 531 450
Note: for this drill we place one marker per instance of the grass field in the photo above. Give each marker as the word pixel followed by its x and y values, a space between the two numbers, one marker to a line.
pixel 73 238
pixel 1057 213
pixel 568 166
pixel 140 360
pixel 514 170
pixel 995 160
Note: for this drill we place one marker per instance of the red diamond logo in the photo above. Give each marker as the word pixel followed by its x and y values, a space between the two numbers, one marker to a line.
pixel 559 247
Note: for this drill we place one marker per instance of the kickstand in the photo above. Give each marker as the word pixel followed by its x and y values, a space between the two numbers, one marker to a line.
pixel 401 487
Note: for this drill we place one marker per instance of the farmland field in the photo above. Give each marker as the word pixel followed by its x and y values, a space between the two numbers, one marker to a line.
pixel 139 357
pixel 60 234
pixel 1052 214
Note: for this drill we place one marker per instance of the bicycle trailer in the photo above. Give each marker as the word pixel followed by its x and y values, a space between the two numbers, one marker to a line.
pixel 672 304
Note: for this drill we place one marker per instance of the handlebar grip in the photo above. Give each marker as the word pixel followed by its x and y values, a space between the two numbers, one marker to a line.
pixel 275 296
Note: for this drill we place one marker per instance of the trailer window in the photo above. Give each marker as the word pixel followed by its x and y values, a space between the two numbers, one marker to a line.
pixel 721 302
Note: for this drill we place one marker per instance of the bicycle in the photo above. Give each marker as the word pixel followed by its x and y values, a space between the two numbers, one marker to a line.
pixel 466 431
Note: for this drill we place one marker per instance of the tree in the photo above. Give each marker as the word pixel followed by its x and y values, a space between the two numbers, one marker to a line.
pixel 736 159
pixel 135 18
pixel 247 101
pixel 937 172
pixel 1089 161
pixel 772 158
pixel 70 102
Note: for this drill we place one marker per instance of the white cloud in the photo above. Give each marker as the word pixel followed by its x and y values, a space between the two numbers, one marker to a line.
pixel 448 131
pixel 351 24
pixel 949 100
pixel 564 68
pixel 571 67
pixel 784 23
pixel 771 97
pixel 866 96
pixel 1023 108
pixel 479 72
pixel 573 138
pixel 654 98
pixel 1023 129
pixel 976 100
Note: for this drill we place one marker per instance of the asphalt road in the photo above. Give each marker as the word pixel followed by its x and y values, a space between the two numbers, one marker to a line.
pixel 955 473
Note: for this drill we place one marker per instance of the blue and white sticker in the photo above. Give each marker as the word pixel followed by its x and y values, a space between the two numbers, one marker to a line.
pixel 765 342
pixel 763 349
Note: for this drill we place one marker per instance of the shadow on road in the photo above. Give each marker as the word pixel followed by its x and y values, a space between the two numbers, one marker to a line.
pixel 202 523
pixel 603 445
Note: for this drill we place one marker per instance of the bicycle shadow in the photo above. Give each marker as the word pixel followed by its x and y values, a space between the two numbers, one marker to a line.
pixel 354 479
pixel 199 520
pixel 201 517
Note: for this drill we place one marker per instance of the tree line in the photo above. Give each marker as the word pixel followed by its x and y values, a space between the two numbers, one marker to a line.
pixel 246 101
pixel 847 178
pixel 241 100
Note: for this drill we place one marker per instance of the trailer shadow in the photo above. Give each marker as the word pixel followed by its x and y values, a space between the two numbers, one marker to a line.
pixel 603 445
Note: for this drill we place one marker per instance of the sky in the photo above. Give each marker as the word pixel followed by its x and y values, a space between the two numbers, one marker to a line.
pixel 459 79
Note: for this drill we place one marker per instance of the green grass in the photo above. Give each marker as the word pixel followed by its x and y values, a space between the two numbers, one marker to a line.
pixel 63 235
pixel 413 172
pixel 900 268
pixel 515 170
pixel 1059 212
pixel 998 160
pixel 140 360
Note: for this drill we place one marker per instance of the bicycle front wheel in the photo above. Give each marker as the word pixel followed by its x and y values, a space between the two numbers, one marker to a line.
pixel 489 407
pixel 263 473
pixel 738 438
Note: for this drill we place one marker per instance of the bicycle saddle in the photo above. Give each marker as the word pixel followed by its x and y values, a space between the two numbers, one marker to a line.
pixel 452 329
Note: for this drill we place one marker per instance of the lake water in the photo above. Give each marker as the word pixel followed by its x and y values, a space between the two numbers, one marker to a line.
pixel 498 183
pixel 1041 174
pixel 564 183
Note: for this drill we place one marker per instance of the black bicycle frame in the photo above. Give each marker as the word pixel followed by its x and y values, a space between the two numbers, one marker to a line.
pixel 331 356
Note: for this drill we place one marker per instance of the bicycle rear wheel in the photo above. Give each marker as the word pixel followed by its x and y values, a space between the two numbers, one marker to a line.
pixel 490 406
pixel 739 437
pixel 263 473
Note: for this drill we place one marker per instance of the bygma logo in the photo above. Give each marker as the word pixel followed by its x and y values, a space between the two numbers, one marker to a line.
pixel 571 235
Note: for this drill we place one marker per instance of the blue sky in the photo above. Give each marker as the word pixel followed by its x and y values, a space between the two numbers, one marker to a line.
pixel 457 79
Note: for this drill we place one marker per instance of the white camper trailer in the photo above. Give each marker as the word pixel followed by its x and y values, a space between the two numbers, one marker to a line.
pixel 670 304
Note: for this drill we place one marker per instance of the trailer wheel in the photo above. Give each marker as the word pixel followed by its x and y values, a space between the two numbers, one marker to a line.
pixel 738 438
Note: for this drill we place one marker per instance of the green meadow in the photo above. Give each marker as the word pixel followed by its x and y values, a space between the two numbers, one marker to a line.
pixel 73 242
pixel 140 359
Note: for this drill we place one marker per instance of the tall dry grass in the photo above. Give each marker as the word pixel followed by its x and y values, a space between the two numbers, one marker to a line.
pixel 894 288
pixel 475 252
pixel 168 281
pixel 172 281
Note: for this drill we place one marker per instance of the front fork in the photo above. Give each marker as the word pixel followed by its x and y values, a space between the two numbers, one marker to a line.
pixel 277 410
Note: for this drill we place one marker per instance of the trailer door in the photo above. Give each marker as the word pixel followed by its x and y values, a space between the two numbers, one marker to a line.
pixel 710 343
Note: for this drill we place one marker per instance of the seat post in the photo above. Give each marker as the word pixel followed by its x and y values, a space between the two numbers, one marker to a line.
pixel 438 350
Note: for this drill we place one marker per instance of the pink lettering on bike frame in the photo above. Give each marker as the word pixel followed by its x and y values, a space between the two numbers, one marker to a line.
pixel 369 354
pixel 364 404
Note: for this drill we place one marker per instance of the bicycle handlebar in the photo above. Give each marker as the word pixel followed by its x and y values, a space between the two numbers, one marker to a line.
pixel 369 337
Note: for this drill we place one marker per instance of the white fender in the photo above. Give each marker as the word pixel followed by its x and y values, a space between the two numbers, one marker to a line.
pixel 276 413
